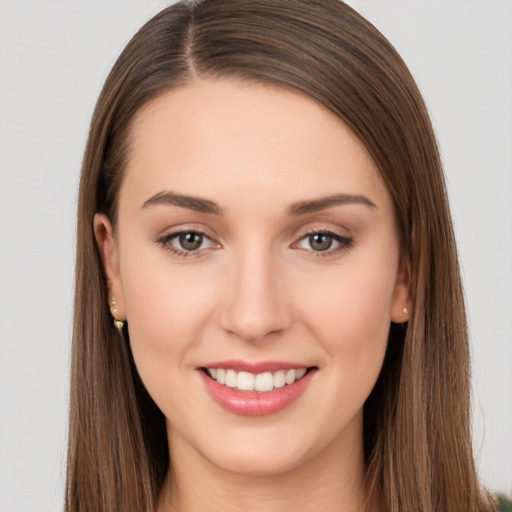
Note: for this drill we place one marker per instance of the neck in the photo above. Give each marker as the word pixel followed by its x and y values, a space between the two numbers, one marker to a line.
pixel 333 480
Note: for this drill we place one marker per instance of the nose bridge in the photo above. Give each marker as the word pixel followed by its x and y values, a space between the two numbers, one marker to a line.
pixel 255 305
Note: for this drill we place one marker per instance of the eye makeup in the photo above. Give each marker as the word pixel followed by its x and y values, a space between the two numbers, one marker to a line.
pixel 192 243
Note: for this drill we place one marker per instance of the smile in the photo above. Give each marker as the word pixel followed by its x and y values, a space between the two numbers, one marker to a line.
pixel 260 382
pixel 256 389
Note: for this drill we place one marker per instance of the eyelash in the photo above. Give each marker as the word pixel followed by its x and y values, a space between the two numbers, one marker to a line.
pixel 345 242
pixel 181 253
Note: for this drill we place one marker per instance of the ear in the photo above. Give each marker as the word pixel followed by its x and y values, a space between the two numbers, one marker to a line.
pixel 401 306
pixel 109 257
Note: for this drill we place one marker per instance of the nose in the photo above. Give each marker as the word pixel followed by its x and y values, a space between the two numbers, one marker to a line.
pixel 256 304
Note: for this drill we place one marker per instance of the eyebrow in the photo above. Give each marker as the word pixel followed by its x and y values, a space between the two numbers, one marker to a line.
pixel 201 205
pixel 322 203
pixel 197 204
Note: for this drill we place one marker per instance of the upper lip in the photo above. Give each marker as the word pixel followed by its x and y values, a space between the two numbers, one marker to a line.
pixel 255 367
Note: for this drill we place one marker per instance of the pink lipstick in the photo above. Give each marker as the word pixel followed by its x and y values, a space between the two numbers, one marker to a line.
pixel 256 389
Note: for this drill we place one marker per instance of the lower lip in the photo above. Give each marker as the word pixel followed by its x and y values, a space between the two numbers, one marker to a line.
pixel 250 403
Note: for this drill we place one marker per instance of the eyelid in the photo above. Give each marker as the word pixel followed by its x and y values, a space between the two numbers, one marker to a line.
pixel 187 228
pixel 344 240
pixel 171 233
pixel 327 229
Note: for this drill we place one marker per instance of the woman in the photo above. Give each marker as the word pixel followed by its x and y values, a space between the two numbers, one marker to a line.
pixel 268 305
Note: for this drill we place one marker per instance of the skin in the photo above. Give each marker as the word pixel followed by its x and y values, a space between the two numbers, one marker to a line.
pixel 257 290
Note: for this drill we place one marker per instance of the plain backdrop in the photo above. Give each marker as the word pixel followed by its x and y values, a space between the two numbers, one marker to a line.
pixel 54 56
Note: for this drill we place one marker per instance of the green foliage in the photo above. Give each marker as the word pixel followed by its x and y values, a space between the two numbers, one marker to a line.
pixel 504 504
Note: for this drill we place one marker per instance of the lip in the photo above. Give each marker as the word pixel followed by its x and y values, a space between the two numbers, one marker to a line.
pixel 255 367
pixel 250 403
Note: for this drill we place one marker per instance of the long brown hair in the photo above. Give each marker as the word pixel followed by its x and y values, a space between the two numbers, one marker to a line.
pixel 417 438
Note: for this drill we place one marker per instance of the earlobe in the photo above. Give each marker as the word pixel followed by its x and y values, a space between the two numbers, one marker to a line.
pixel 401 307
pixel 109 256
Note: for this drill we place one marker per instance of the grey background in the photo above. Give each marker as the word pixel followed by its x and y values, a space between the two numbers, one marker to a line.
pixel 54 56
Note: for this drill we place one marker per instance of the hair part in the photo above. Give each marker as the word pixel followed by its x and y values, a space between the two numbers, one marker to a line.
pixel 417 439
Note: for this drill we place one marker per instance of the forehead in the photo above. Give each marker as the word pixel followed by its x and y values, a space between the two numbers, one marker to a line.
pixel 244 140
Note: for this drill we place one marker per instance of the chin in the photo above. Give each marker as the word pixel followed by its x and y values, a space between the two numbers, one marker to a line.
pixel 264 454
pixel 260 464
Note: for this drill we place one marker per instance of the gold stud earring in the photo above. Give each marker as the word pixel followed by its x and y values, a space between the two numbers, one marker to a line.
pixel 119 324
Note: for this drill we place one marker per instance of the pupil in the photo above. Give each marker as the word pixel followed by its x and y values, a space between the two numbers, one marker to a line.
pixel 320 242
pixel 191 241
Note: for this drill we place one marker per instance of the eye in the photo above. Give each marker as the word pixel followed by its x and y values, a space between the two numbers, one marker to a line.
pixel 324 242
pixel 190 241
pixel 186 243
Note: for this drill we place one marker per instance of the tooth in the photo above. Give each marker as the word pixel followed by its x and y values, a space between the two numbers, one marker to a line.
pixel 230 378
pixel 221 376
pixel 301 373
pixel 245 381
pixel 279 379
pixel 264 382
pixel 291 375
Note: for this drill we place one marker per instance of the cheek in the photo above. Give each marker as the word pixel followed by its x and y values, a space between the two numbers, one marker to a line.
pixel 166 308
pixel 167 313
pixel 351 314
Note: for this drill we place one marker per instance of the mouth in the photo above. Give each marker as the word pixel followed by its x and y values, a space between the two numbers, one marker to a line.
pixel 259 382
pixel 256 389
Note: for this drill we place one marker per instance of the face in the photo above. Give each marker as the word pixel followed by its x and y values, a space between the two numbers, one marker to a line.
pixel 256 261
